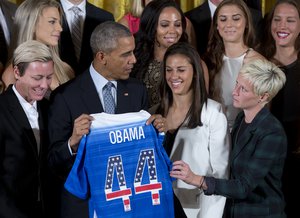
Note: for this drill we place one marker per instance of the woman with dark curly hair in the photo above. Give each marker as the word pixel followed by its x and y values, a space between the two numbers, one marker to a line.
pixel 162 24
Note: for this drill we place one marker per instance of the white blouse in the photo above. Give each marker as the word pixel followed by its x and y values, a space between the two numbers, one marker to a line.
pixel 228 75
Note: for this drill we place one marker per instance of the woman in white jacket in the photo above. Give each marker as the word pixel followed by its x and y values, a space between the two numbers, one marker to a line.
pixel 196 129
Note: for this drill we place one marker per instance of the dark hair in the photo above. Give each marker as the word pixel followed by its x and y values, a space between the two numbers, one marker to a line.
pixel 268 47
pixel 105 36
pixel 215 50
pixel 193 117
pixel 145 37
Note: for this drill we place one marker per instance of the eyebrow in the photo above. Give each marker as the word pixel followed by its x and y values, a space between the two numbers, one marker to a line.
pixel 50 17
pixel 181 66
pixel 178 20
pixel 230 15
pixel 294 17
pixel 127 53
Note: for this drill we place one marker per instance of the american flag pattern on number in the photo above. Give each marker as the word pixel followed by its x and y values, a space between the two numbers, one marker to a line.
pixel 123 169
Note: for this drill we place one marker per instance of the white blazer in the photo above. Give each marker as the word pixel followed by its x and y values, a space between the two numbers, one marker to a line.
pixel 206 149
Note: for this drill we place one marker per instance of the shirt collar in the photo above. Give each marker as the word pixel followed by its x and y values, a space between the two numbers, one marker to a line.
pixel 68 5
pixel 25 104
pixel 99 79
pixel 212 8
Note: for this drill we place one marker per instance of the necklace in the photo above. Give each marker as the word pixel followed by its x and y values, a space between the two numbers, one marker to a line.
pixel 237 133
pixel 242 127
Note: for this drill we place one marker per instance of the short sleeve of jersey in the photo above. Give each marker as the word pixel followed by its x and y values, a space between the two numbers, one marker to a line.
pixel 122 168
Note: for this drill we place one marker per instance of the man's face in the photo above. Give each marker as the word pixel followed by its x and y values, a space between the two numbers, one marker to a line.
pixel 120 61
pixel 35 81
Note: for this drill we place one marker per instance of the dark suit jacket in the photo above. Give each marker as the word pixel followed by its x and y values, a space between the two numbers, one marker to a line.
pixel 94 16
pixel 201 20
pixel 8 10
pixel 68 102
pixel 22 169
pixel 256 161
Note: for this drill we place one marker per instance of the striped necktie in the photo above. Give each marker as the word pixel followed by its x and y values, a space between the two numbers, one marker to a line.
pixel 76 30
pixel 109 102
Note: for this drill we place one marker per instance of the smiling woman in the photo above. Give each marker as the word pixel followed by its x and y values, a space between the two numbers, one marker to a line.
pixel 27 186
pixel 282 47
pixel 229 47
pixel 197 131
pixel 33 70
pixel 258 150
pixel 39 20
pixel 48 27
pixel 162 24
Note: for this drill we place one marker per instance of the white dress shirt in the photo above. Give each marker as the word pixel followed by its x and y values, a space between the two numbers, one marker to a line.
pixel 32 116
pixel 212 8
pixel 99 82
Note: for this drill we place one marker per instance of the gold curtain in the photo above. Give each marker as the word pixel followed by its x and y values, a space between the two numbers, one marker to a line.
pixel 117 7
pixel 188 5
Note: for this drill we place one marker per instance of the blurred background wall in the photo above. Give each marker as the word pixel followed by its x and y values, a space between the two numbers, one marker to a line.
pixel 119 7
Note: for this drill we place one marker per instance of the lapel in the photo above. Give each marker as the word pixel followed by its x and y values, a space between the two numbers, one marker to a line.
pixel 87 20
pixel 89 94
pixel 239 145
pixel 66 33
pixel 65 25
pixel 205 11
pixel 86 33
pixel 8 10
pixel 21 119
pixel 123 97
pixel 44 141
pixel 243 140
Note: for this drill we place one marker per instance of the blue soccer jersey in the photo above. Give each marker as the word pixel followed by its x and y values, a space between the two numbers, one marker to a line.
pixel 122 167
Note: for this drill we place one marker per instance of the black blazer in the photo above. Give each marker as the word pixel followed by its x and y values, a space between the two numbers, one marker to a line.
pixel 201 20
pixel 22 169
pixel 256 164
pixel 68 102
pixel 94 16
pixel 8 10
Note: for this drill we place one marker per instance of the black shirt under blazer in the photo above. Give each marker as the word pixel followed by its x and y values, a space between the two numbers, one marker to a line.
pixel 256 164
pixel 69 101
